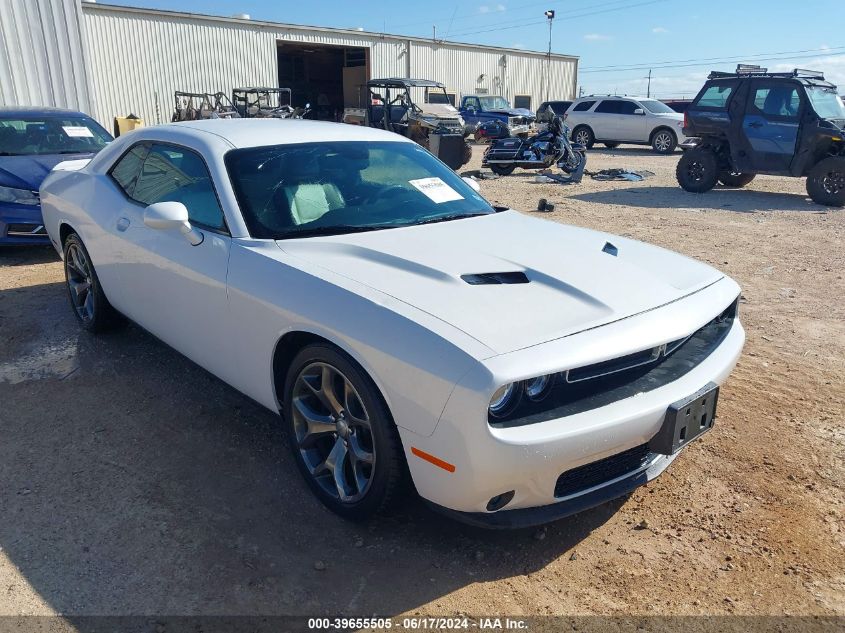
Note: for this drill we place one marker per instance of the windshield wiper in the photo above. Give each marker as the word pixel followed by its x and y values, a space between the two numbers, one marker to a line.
pixel 447 218
pixel 335 229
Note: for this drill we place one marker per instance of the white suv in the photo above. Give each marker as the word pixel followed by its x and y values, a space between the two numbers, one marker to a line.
pixel 615 120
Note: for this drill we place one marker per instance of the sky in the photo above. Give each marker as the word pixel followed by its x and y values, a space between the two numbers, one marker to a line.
pixel 618 41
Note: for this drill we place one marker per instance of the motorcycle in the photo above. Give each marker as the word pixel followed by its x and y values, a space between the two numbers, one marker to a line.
pixel 540 151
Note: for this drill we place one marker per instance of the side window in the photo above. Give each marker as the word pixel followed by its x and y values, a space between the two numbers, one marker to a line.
pixel 583 106
pixel 627 107
pixel 716 97
pixel 126 170
pixel 780 102
pixel 176 174
pixel 472 102
pixel 609 107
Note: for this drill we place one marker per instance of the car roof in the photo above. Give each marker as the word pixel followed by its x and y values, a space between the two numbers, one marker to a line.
pixel 262 132
pixel 401 82
pixel 632 97
pixel 25 111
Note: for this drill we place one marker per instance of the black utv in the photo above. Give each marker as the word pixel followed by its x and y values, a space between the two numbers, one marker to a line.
pixel 755 122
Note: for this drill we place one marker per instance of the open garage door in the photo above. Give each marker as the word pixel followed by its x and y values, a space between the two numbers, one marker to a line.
pixel 330 78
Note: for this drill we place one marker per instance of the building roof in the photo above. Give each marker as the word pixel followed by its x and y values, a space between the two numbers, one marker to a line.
pixel 88 5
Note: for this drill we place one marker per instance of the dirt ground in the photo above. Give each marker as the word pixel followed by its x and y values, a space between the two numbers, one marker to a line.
pixel 133 482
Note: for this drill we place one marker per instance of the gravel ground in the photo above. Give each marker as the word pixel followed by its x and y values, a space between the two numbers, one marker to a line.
pixel 136 483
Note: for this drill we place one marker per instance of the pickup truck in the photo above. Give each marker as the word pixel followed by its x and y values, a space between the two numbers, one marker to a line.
pixel 477 109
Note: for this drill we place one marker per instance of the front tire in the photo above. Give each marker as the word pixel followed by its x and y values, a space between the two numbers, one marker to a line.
pixel 86 295
pixel 664 141
pixel 826 182
pixel 698 170
pixel 735 179
pixel 343 438
pixel 583 135
pixel 502 170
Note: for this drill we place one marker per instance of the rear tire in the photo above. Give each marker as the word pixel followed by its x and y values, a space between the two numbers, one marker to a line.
pixel 664 141
pixel 583 136
pixel 611 145
pixel 826 182
pixel 86 295
pixel 735 179
pixel 698 170
pixel 502 170
pixel 342 436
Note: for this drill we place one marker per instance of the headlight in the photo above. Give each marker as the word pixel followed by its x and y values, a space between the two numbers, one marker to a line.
pixel 18 196
pixel 538 388
pixel 505 399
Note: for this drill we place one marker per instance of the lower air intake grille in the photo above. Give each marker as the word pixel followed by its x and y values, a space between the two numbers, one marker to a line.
pixel 603 470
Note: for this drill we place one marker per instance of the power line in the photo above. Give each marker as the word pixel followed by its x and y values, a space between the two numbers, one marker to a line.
pixel 725 60
pixel 646 65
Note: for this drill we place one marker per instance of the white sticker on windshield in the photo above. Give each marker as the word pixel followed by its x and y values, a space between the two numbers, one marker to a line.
pixel 78 131
pixel 437 190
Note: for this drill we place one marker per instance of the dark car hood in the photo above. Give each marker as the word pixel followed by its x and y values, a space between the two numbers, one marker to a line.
pixel 27 172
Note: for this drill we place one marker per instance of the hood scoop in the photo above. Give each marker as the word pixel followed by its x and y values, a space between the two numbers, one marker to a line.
pixel 486 279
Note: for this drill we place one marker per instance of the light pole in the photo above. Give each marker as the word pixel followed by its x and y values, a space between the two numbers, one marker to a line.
pixel 550 15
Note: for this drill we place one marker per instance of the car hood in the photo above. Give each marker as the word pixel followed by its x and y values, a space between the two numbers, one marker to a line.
pixel 575 282
pixel 442 110
pixel 27 172
pixel 513 112
pixel 672 116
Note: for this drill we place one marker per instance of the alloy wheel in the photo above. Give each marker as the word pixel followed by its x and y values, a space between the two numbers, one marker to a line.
pixel 696 171
pixel 333 432
pixel 663 141
pixel 833 182
pixel 583 137
pixel 80 282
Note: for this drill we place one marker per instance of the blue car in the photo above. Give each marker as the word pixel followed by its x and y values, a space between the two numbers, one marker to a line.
pixel 32 142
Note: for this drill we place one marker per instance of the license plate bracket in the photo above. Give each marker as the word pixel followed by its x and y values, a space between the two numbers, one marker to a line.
pixel 686 420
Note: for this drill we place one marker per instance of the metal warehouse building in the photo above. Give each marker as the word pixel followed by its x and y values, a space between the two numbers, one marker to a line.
pixel 112 61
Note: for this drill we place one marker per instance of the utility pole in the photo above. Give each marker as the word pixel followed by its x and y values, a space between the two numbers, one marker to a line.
pixel 550 15
pixel 648 92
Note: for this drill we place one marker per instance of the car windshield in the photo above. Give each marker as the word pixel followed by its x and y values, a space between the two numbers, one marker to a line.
pixel 656 107
pixel 50 135
pixel 826 102
pixel 343 187
pixel 494 103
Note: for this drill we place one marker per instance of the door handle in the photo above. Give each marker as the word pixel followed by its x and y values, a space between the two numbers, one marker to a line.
pixel 755 124
pixel 122 224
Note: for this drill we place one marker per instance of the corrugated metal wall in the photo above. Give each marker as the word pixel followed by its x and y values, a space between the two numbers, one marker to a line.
pixel 498 72
pixel 135 55
pixel 41 54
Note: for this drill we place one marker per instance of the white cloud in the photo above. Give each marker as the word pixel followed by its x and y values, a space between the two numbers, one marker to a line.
pixel 597 37
pixel 492 8
pixel 518 45
pixel 833 68
pixel 659 29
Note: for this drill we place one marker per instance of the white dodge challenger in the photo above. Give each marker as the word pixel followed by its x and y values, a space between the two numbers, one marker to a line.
pixel 515 370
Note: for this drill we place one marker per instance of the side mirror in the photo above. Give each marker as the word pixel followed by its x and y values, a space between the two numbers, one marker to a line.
pixel 472 183
pixel 639 111
pixel 168 215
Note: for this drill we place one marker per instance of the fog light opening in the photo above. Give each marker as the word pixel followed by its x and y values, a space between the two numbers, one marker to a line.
pixel 499 501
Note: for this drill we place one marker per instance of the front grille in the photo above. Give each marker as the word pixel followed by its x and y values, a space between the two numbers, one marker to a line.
pixel 602 471
pixel 25 230
pixel 592 386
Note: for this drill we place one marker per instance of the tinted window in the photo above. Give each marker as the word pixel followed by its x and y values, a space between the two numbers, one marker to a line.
pixel 777 101
pixel 51 135
pixel 583 106
pixel 338 187
pixel 609 107
pixel 716 96
pixel 627 107
pixel 126 170
pixel 179 175
pixel 472 102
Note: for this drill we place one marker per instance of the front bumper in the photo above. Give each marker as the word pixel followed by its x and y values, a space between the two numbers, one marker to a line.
pixel 22 224
pixel 529 459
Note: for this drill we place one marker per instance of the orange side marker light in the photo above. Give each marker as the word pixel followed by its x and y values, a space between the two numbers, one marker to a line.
pixel 432 459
